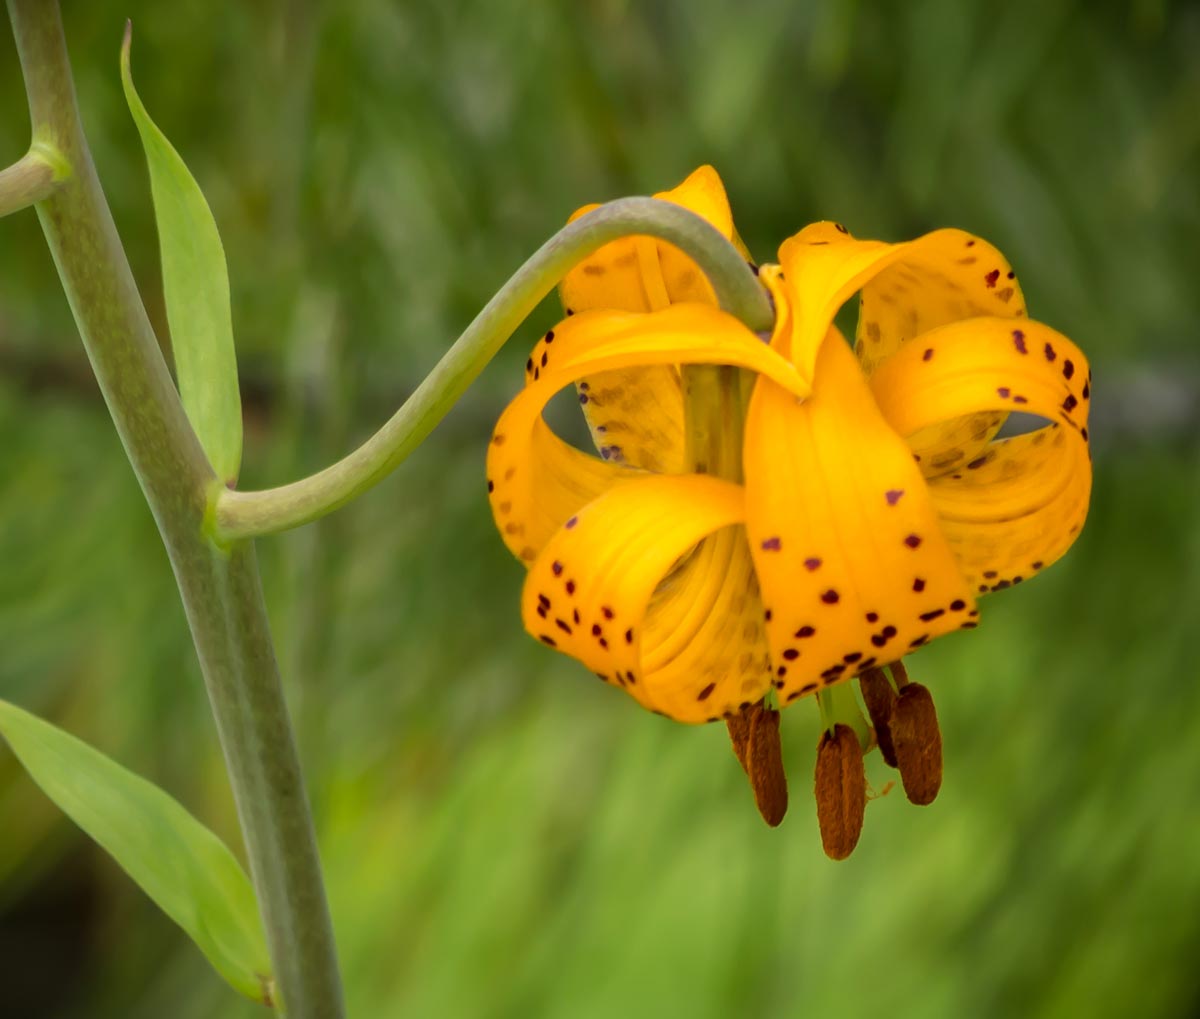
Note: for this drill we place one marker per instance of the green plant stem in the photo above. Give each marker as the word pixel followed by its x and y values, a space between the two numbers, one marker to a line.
pixel 245 514
pixel 219 587
pixel 30 179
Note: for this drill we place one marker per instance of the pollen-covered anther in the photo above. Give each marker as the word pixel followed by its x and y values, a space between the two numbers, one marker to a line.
pixel 918 743
pixel 880 699
pixel 841 791
pixel 754 733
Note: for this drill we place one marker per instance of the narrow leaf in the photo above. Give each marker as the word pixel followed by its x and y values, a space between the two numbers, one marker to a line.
pixel 178 862
pixel 196 290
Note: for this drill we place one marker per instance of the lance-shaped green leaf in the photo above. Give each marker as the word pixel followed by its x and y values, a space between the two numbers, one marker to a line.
pixel 178 862
pixel 196 290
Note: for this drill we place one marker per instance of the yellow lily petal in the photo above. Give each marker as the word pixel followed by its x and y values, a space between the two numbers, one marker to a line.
pixel 642 273
pixel 850 556
pixel 652 589
pixel 643 410
pixel 1018 506
pixel 536 481
pixel 907 289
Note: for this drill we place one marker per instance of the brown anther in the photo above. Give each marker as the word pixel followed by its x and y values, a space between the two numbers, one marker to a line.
pixel 841 790
pixel 754 733
pixel 899 674
pixel 918 743
pixel 880 700
pixel 739 735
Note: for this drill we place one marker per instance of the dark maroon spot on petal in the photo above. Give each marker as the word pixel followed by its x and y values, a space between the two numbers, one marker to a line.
pixel 872 617
pixel 968 625
pixel 889 632
pixel 918 585
pixel 1068 368
pixel 557 568
pixel 563 625
pixel 1038 565
pixel 545 358
pixel 629 636
pixel 978 462
pixel 544 600
pixel 830 597
pixel 608 613
pixel 633 679
pixel 491 486
pixel 957 605
pixel 840 229
pixel 1083 432
pixel 541 611
pixel 866 663
pixel 878 639
pixel 497 439
pixel 550 336
pixel 805 631
pixel 1017 579
pixel 548 640
pixel 1020 399
pixel 983 589
pixel 1019 341
pixel 529 365
pixel 1070 403
pixel 583 398
pixel 990 574
pixel 851 658
pixel 928 355
pixel 571 523
pixel 913 540
pixel 1012 275
pixel 1087 390
pixel 1001 585
pixel 991 278
pixel 704 694
pixel 596 631
pixel 1004 392
pixel 604 643
pixel 919 641
pixel 791 654
pixel 771 544
pixel 575 616
pixel 570 587
pixel 893 495
pixel 767 615
pixel 812 564
pixel 537 374
pixel 1050 353
pixel 929 616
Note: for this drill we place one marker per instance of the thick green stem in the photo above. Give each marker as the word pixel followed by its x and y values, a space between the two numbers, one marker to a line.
pixel 244 514
pixel 219 587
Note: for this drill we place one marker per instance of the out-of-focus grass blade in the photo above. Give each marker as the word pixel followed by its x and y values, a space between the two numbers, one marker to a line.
pixel 196 289
pixel 178 862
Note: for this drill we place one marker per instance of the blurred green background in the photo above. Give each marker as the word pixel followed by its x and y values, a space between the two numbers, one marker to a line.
pixel 503 835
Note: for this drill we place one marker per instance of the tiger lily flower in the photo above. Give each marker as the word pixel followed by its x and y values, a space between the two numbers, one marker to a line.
pixel 771 516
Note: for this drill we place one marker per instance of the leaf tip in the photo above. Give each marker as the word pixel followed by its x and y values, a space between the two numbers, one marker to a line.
pixel 126 44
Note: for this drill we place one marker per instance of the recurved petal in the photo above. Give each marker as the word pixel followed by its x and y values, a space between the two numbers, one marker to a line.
pixel 641 273
pixel 907 289
pixel 641 411
pixel 1019 505
pixel 650 586
pixel 851 560
pixel 535 480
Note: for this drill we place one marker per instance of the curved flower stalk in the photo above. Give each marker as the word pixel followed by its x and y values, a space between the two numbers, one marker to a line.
pixel 722 556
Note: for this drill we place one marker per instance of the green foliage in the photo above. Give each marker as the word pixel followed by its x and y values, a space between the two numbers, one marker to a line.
pixel 178 862
pixel 196 292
